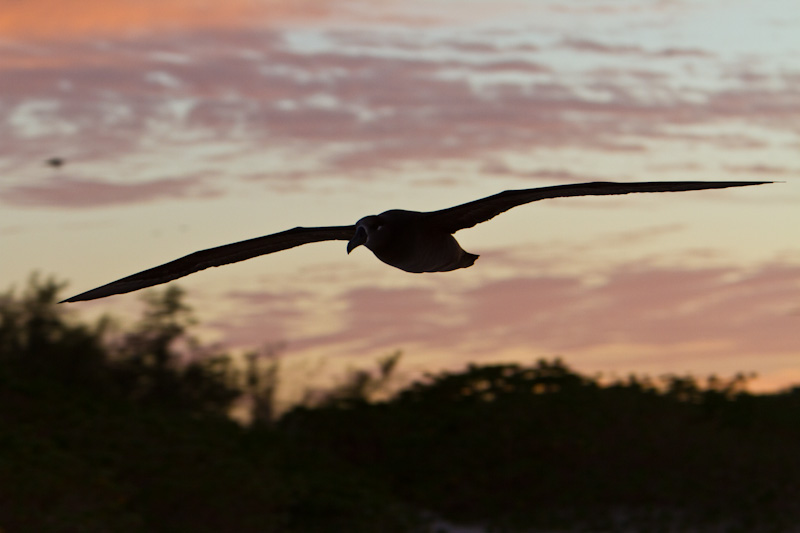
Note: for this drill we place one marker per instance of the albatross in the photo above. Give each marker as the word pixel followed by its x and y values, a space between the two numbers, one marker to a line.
pixel 412 241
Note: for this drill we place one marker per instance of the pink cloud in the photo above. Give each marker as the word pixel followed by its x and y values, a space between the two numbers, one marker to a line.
pixel 496 167
pixel 268 316
pixel 760 169
pixel 586 45
pixel 616 8
pixel 380 111
pixel 67 192
pixel 597 47
pixel 642 75
pixel 735 314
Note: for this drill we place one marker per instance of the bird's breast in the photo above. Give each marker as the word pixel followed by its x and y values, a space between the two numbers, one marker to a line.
pixel 422 250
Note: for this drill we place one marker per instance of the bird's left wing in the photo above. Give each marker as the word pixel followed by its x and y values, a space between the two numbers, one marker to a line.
pixel 221 255
pixel 467 215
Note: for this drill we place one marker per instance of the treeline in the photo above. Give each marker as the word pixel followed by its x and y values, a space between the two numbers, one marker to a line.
pixel 127 429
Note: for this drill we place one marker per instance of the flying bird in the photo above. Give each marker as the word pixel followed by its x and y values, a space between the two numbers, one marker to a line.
pixel 409 240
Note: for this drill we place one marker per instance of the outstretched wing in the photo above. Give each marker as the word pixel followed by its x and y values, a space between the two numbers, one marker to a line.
pixel 221 255
pixel 467 215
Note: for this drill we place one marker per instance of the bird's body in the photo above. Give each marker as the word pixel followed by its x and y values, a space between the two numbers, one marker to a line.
pixel 412 241
pixel 408 240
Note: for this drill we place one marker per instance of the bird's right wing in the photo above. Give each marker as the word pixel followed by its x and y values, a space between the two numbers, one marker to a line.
pixel 221 255
pixel 467 215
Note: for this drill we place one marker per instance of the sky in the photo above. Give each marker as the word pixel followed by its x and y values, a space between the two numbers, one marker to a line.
pixel 188 124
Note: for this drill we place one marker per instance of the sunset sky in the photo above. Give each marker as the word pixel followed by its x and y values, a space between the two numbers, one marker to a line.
pixel 189 124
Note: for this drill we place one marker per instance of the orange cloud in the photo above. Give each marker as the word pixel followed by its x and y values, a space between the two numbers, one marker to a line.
pixel 53 19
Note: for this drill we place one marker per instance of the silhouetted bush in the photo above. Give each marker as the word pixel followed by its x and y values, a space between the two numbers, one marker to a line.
pixel 542 446
pixel 104 428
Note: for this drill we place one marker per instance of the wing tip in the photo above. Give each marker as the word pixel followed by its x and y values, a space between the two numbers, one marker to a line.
pixel 93 294
pixel 110 289
pixel 744 183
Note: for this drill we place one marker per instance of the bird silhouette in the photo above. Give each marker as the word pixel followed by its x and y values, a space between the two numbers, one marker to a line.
pixel 409 240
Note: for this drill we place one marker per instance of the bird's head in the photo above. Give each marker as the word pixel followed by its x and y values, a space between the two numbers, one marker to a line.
pixel 368 231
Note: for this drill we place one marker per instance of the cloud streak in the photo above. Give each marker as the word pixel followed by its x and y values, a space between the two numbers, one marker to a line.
pixel 585 45
pixel 718 313
pixel 77 193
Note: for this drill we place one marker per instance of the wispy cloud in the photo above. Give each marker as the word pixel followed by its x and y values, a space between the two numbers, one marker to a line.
pixel 683 311
pixel 69 193
pixel 762 169
pixel 586 45
pixel 366 110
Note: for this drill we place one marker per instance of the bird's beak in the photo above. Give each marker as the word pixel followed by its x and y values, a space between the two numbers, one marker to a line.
pixel 359 238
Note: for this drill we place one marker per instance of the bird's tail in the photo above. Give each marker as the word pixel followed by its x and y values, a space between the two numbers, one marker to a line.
pixel 466 260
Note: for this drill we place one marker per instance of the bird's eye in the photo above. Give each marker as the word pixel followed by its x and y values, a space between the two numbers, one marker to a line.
pixel 380 227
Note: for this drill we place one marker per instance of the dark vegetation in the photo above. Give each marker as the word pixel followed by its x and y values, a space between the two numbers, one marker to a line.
pixel 102 429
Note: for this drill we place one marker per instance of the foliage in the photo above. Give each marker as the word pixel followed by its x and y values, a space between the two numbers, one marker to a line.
pixel 542 446
pixel 104 429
